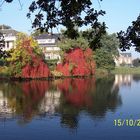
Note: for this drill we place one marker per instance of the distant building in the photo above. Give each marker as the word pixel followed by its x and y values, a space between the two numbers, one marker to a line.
pixel 9 36
pixel 48 43
pixel 124 59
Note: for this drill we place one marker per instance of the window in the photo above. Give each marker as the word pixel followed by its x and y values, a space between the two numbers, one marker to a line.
pixel 48 57
pixel 7 44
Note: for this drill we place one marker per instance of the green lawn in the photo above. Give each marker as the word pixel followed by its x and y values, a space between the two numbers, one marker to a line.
pixel 126 70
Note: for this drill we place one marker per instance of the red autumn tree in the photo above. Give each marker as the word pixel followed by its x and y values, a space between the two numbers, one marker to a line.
pixel 26 59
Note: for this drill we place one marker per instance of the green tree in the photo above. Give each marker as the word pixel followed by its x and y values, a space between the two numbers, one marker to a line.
pixel 94 35
pixel 104 56
pixel 136 62
pixel 38 32
pixel 110 43
pixel 20 55
pixel 104 59
pixel 131 37
pixel 68 13
pixel 66 43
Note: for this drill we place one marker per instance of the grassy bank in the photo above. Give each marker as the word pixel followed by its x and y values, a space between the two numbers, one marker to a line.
pixel 126 70
pixel 117 70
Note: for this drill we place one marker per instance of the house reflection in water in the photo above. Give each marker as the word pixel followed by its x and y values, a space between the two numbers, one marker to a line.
pixel 50 102
pixel 122 80
pixel 5 109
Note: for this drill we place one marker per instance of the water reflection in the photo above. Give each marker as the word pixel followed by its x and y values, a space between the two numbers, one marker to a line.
pixel 123 80
pixel 136 78
pixel 4 106
pixel 50 102
pixel 104 98
pixel 66 98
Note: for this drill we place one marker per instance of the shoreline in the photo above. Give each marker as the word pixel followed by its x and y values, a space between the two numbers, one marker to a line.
pixel 98 73
pixel 43 78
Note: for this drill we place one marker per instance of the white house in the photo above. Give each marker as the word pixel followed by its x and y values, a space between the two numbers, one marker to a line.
pixel 48 43
pixel 9 36
pixel 124 59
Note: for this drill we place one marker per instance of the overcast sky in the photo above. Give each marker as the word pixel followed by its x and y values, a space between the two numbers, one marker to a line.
pixel 119 14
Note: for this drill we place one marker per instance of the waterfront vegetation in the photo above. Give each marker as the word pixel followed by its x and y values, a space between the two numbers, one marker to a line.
pixel 4 73
pixel 21 56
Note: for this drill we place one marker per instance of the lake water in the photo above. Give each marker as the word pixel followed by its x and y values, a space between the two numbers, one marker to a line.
pixel 71 109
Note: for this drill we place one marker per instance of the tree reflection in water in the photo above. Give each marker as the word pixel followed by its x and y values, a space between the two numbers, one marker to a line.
pixel 82 95
pixel 24 97
pixel 104 98
pixel 67 97
pixel 136 78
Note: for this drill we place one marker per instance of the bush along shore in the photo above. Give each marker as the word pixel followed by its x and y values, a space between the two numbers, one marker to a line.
pixel 76 63
pixel 27 61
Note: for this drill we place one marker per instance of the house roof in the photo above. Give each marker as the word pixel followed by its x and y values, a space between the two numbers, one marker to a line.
pixel 48 36
pixel 7 30
pixel 126 54
pixel 48 45
pixel 4 27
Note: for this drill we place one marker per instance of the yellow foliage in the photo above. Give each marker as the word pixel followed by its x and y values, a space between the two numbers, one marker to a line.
pixel 20 56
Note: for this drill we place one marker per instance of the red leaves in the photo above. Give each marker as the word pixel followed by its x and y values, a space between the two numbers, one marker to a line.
pixel 39 71
pixel 63 68
pixel 37 68
pixel 77 63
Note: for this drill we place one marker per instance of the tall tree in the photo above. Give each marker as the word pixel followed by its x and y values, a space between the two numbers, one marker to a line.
pixel 94 37
pixel 104 56
pixel 131 37
pixel 136 62
pixel 110 43
pixel 49 14
pixel 26 46
pixel 68 13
